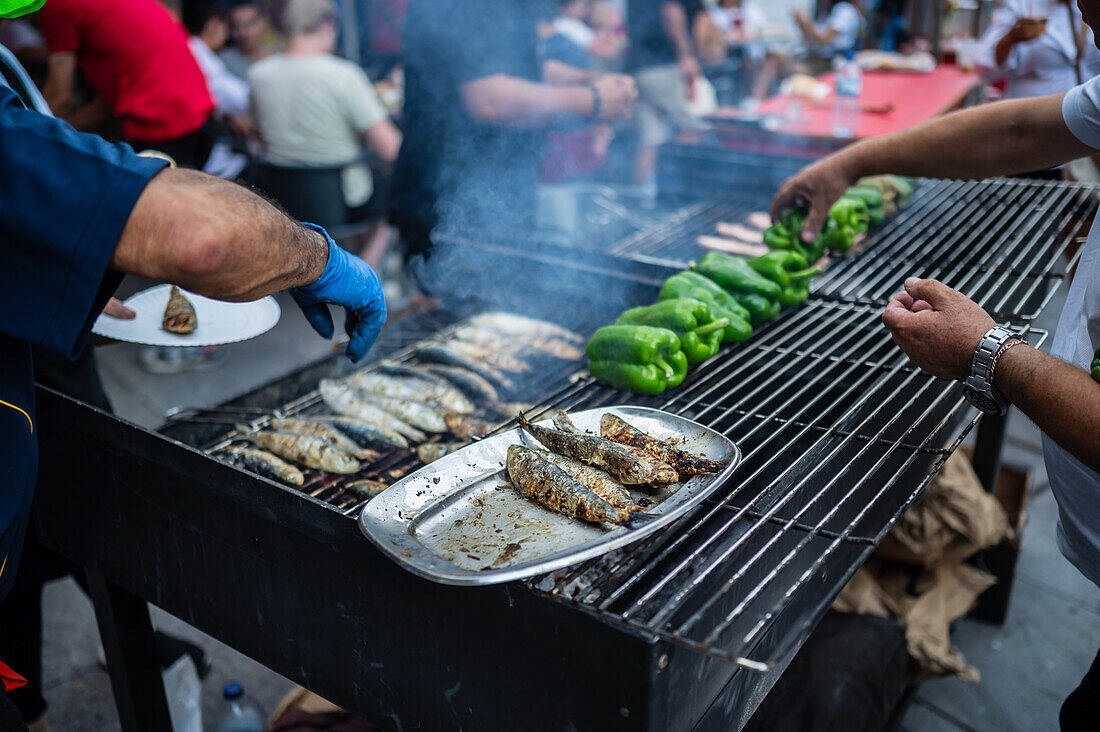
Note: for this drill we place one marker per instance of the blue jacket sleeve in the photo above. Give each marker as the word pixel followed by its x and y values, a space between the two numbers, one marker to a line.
pixel 65 197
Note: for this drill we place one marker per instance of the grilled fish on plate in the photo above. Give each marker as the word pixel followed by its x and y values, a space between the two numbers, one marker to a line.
pixel 550 486
pixel 592 450
pixel 179 314
pixel 595 480
pixel 663 472
pixel 616 429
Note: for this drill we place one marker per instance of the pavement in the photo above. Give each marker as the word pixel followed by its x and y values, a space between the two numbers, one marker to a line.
pixel 1028 665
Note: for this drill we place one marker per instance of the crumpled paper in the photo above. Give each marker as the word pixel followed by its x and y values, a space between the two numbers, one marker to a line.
pixel 919 575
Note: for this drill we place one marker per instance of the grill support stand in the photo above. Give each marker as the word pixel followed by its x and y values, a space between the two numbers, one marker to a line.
pixel 988 445
pixel 127 635
pixel 1000 560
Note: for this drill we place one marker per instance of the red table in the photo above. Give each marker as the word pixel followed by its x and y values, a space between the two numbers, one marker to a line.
pixel 916 97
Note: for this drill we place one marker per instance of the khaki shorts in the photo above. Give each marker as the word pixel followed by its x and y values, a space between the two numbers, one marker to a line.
pixel 662 105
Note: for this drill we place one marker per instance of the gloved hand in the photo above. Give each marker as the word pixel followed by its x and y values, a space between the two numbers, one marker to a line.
pixel 347 281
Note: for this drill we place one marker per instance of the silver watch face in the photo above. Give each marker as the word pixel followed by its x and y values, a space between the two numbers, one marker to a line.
pixel 982 401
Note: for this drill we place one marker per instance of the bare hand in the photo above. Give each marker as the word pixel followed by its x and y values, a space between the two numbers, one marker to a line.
pixel 690 68
pixel 115 309
pixel 617 96
pixel 819 185
pixel 1028 29
pixel 938 328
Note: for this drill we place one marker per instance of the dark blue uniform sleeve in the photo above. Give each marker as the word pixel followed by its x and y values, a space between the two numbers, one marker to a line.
pixel 65 197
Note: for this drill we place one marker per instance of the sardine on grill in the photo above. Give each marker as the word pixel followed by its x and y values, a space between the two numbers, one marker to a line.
pixel 442 354
pixel 464 427
pixel 616 429
pixel 365 434
pixel 365 488
pixel 313 452
pixel 262 463
pixel 481 354
pixel 592 450
pixel 446 397
pixel 415 413
pixel 519 325
pixel 179 314
pixel 347 401
pixel 473 385
pixel 550 486
pixel 328 433
pixel 556 347
pixel 429 452
pixel 663 472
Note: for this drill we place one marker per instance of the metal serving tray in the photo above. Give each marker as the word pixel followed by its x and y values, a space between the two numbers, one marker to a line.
pixel 451 521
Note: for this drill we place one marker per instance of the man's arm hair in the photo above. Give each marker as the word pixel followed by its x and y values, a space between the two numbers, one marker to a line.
pixel 216 238
pixel 509 100
pixel 1061 399
pixel 58 89
pixel 1002 138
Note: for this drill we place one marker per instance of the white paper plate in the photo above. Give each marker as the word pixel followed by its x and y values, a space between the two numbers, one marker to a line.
pixel 219 322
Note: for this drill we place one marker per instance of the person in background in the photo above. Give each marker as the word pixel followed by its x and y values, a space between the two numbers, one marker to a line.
pixel 22 38
pixel 582 147
pixel 1037 56
pixel 478 100
pixel 664 64
pixel 314 109
pixel 949 336
pixel 209 33
pixel 253 37
pixel 736 25
pixel 134 56
pixel 837 35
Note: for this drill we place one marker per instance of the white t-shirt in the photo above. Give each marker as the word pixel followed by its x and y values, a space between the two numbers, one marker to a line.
pixel 230 92
pixel 1076 487
pixel 846 21
pixel 1045 65
pixel 749 17
pixel 312 110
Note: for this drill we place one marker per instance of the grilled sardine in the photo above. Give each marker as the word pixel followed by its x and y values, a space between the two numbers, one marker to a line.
pixel 593 450
pixel 313 452
pixel 179 314
pixel 475 386
pixel 439 353
pixel 464 427
pixel 515 343
pixel 595 480
pixel 365 434
pixel 550 486
pixel 615 428
pixel 345 400
pixel 415 413
pixel 663 472
pixel 262 463
pixel 365 488
pixel 519 325
pixel 414 389
pixel 328 433
pixel 481 354
pixel 429 452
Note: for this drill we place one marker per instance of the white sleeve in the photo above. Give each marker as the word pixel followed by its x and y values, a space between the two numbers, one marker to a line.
pixel 844 19
pixel 985 61
pixel 1081 111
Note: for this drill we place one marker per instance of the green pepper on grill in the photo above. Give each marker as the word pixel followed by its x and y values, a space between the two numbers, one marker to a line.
pixel 851 212
pixel 761 309
pixel 783 266
pixel 734 275
pixel 700 333
pixel 636 358
pixel 689 285
pixel 875 202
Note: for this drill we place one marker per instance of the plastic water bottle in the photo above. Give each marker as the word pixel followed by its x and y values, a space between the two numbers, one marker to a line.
pixel 849 85
pixel 239 714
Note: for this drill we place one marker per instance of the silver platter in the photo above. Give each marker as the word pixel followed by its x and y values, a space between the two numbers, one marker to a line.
pixel 457 521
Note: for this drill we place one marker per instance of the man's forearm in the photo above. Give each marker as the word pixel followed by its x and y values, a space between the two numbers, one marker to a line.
pixel 216 238
pixel 994 139
pixel 556 72
pixel 1061 399
pixel 513 101
pixel 675 21
pixel 91 115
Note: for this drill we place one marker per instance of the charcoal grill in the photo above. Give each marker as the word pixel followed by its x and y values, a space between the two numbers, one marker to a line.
pixel 839 432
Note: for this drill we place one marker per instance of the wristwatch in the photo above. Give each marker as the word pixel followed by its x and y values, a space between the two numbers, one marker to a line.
pixel 978 387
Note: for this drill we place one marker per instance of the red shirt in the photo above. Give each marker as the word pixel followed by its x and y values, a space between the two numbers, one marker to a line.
pixel 134 54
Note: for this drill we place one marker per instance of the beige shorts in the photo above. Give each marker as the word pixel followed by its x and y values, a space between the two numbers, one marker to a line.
pixel 662 104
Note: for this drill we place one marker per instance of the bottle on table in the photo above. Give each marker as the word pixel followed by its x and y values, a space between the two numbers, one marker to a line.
pixel 239 713
pixel 846 104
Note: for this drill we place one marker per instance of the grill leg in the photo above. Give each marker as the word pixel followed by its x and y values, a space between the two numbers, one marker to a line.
pixel 987 449
pixel 1000 560
pixel 127 635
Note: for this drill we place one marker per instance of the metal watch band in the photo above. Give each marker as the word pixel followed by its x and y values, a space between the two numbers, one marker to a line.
pixel 979 388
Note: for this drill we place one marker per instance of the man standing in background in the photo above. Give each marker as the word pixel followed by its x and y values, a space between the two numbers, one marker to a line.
pixel 665 66
pixel 134 56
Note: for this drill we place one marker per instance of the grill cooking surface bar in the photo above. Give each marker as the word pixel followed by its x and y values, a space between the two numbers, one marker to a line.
pixel 836 427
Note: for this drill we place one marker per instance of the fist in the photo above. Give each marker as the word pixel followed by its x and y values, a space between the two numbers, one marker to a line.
pixel 1028 29
pixel 617 95
pixel 938 328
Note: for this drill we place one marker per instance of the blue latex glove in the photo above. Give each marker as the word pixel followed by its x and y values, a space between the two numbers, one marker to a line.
pixel 349 282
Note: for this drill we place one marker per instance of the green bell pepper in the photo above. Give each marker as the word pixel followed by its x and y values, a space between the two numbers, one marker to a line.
pixel 761 309
pixel 1095 366
pixel 782 266
pixel 734 275
pixel 700 333
pixel 683 285
pixel 636 358
pixel 876 203
pixel 850 213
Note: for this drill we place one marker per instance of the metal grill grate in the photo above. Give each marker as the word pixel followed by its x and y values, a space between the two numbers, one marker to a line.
pixel 836 427
pixel 1005 243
